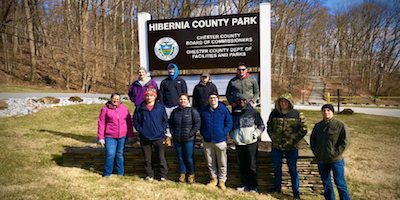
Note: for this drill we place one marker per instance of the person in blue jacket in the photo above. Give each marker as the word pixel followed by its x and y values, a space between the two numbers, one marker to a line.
pixel 216 122
pixel 170 90
pixel 150 120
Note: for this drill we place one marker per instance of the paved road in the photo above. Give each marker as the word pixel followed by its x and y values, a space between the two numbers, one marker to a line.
pixel 41 95
pixel 365 110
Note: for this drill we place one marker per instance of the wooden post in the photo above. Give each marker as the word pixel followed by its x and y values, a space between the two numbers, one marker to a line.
pixel 338 101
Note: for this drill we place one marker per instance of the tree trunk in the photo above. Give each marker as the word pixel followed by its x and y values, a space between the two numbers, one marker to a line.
pixel 31 41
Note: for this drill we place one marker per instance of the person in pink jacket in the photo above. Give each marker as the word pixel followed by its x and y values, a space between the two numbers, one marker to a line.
pixel 115 125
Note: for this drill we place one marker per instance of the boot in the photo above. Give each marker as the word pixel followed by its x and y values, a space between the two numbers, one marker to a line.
pixel 213 182
pixel 191 179
pixel 221 185
pixel 182 178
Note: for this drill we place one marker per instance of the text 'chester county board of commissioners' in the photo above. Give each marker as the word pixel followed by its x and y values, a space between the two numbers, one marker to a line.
pixel 219 46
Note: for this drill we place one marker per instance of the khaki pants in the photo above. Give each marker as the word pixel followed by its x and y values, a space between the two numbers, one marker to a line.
pixel 216 153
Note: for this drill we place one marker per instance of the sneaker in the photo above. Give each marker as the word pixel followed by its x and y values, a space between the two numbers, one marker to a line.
pixel 275 191
pixel 162 179
pixel 148 178
pixel 244 188
pixel 254 190
pixel 297 196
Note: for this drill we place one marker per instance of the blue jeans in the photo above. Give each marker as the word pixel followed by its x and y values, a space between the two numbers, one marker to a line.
pixel 114 149
pixel 185 155
pixel 338 176
pixel 291 157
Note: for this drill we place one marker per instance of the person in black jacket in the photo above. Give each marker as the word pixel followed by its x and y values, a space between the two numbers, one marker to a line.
pixel 184 123
pixel 202 90
pixel 170 90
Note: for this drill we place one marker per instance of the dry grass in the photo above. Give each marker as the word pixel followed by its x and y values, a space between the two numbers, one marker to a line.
pixel 31 161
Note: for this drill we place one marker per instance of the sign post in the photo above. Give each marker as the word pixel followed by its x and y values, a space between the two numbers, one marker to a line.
pixel 302 93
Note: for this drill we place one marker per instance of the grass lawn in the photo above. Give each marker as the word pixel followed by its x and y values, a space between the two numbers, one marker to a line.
pixel 5 88
pixel 31 160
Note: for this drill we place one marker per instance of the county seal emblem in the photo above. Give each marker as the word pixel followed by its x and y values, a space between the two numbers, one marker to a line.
pixel 166 49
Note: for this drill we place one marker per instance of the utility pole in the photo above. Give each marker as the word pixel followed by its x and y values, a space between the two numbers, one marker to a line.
pixel 377 81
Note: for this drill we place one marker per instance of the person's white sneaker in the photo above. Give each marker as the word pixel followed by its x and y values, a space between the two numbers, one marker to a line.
pixel 244 188
pixel 148 178
pixel 162 179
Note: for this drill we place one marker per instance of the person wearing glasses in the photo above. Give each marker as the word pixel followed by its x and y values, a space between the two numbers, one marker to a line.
pixel 247 128
pixel 242 83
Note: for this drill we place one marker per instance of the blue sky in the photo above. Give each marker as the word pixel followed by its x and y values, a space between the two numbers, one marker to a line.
pixel 340 4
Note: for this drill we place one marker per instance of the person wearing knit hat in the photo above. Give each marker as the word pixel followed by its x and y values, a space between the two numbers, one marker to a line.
pixel 202 90
pixel 330 138
pixel 216 122
pixel 140 86
pixel 150 120
pixel 329 106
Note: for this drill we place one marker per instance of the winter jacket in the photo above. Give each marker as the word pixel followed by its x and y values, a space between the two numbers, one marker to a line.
pixel 137 90
pixel 329 140
pixel 150 124
pixel 171 88
pixel 247 126
pixel 215 124
pixel 184 123
pixel 114 122
pixel 247 86
pixel 200 94
pixel 287 130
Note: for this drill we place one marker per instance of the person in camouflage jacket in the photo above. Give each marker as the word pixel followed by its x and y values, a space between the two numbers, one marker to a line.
pixel 286 127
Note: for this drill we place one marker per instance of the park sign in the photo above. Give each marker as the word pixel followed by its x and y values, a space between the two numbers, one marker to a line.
pixel 204 42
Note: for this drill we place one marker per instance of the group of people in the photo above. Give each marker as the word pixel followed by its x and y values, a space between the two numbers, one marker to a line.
pixel 166 113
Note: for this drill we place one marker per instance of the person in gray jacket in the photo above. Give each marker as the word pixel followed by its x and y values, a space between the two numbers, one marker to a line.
pixel 247 128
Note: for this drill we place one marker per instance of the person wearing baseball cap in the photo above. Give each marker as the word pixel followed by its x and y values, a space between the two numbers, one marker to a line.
pixel 202 90
pixel 330 138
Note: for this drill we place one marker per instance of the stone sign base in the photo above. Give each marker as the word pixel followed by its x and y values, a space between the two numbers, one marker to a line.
pixel 310 182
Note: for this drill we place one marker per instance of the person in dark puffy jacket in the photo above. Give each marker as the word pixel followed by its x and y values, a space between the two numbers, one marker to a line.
pixel 202 90
pixel 139 87
pixel 150 120
pixel 184 123
pixel 216 122
pixel 114 125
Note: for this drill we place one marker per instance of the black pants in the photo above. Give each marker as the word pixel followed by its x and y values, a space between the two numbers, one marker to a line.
pixel 247 158
pixel 160 152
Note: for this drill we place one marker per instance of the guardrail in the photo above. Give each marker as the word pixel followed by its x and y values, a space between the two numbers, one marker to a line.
pixel 347 99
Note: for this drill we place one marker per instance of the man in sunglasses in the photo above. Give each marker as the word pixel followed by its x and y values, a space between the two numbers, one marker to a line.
pixel 247 128
pixel 242 83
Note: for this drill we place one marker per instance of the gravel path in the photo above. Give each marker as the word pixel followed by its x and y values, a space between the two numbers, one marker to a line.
pixel 317 92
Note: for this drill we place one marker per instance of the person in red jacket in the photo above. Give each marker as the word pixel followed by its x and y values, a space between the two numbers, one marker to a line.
pixel 114 125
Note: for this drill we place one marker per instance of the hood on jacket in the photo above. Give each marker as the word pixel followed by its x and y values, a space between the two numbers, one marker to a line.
pixel 148 79
pixel 176 71
pixel 286 96
pixel 109 105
